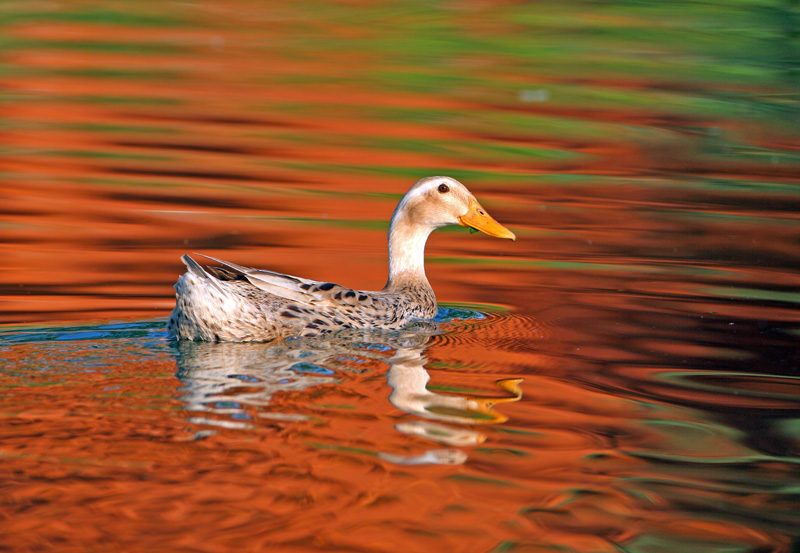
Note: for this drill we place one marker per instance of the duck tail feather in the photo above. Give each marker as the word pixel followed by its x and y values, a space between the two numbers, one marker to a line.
pixel 194 267
pixel 228 264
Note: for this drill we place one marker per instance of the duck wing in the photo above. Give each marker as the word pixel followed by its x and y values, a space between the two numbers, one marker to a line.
pixel 301 290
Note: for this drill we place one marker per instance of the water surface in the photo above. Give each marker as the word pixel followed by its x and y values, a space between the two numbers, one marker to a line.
pixel 624 377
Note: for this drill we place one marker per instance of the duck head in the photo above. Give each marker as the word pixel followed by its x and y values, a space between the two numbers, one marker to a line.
pixel 435 202
pixel 431 203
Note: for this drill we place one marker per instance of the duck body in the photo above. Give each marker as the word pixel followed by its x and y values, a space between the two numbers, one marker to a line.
pixel 224 305
pixel 229 302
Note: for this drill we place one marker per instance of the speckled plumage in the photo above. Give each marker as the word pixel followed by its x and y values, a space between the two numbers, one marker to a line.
pixel 228 307
pixel 234 303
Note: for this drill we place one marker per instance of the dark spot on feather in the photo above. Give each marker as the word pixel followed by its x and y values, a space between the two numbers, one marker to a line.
pixel 319 322
pixel 326 286
pixel 350 294
pixel 362 297
pixel 313 327
pixel 338 295
pixel 305 286
pixel 288 314
pixel 295 308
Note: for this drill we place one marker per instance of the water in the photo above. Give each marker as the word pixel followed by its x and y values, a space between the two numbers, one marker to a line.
pixel 624 377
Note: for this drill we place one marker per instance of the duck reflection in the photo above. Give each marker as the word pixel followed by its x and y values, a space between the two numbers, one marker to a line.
pixel 225 381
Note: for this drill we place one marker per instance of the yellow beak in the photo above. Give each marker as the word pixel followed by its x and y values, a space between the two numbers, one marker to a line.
pixel 477 218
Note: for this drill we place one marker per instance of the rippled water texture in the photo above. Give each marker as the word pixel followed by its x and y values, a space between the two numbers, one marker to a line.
pixel 624 377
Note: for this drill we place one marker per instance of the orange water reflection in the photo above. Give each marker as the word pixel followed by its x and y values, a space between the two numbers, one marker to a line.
pixel 652 293
pixel 107 448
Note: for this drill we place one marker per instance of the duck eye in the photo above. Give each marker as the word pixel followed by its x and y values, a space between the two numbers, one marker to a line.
pixel 443 188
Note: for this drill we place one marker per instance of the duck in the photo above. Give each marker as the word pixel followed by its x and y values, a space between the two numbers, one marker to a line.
pixel 226 302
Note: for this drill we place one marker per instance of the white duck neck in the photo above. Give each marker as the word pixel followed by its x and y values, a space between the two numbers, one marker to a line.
pixel 406 252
